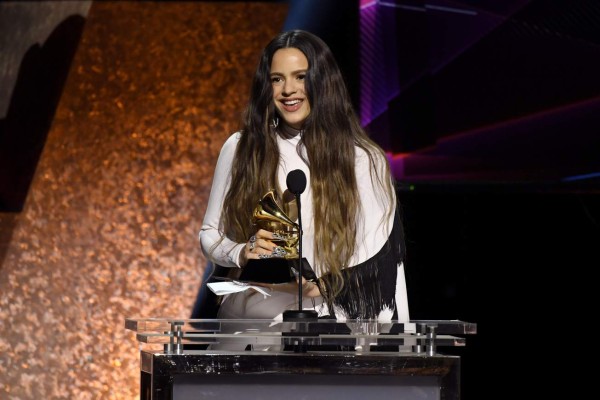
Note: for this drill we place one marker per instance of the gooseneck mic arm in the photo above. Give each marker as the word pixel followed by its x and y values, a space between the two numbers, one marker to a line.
pixel 296 183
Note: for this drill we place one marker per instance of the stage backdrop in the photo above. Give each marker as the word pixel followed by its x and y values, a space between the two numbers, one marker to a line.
pixel 109 226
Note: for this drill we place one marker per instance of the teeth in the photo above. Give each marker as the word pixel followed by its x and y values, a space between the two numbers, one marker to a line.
pixel 291 103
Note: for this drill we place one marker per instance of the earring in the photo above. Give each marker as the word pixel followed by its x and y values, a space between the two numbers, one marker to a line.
pixel 275 122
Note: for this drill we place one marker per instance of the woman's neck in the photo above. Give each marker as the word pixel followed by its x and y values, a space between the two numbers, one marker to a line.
pixel 288 132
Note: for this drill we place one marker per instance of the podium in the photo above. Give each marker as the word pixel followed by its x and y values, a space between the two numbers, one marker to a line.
pixel 182 359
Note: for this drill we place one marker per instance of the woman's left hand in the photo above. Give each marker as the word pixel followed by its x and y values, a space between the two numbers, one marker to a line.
pixel 260 245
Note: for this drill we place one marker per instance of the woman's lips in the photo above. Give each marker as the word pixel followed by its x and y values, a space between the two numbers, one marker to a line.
pixel 291 105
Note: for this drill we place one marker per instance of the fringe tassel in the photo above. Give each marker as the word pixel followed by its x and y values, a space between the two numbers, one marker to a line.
pixel 370 287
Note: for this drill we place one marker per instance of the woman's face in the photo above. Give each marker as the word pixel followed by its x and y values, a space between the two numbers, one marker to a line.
pixel 288 70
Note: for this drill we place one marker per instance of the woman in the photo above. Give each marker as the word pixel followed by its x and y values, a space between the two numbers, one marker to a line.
pixel 300 116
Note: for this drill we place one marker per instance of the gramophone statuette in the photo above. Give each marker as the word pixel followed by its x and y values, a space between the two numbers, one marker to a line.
pixel 270 216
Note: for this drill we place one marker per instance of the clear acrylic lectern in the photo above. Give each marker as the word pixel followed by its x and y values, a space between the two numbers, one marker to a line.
pixel 185 359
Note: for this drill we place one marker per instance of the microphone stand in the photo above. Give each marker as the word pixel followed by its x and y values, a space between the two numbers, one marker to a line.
pixel 300 314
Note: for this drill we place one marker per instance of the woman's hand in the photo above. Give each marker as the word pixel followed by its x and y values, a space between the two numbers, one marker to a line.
pixel 260 246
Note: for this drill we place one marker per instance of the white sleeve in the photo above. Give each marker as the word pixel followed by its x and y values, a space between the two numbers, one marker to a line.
pixel 376 219
pixel 226 252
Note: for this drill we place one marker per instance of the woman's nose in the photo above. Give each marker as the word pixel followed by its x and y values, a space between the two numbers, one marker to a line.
pixel 289 88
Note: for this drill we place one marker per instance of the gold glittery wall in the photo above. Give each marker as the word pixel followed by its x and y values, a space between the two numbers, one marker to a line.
pixel 109 229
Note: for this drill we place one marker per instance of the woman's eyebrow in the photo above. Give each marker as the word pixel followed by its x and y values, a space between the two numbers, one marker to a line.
pixel 299 71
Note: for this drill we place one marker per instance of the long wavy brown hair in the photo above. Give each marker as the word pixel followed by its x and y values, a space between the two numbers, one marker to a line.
pixel 331 133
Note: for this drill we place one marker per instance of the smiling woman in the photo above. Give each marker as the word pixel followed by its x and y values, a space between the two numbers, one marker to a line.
pixel 300 117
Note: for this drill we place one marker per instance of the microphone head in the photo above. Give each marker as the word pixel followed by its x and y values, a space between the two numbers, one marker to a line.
pixel 296 181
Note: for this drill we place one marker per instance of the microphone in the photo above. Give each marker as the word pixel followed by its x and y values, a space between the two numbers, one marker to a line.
pixel 296 184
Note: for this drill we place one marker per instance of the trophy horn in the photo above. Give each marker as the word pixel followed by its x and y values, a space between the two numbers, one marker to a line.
pixel 268 210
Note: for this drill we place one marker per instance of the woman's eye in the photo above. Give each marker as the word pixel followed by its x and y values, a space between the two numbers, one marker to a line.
pixel 301 77
pixel 275 79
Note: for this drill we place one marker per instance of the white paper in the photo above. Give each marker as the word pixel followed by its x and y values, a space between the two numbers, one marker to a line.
pixel 228 287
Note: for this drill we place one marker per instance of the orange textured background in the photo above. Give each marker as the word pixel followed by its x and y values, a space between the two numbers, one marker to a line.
pixel 109 229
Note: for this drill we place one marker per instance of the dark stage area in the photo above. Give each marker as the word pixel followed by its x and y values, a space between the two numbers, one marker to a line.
pixel 516 263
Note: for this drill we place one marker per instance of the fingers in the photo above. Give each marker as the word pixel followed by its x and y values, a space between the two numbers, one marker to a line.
pixel 260 246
